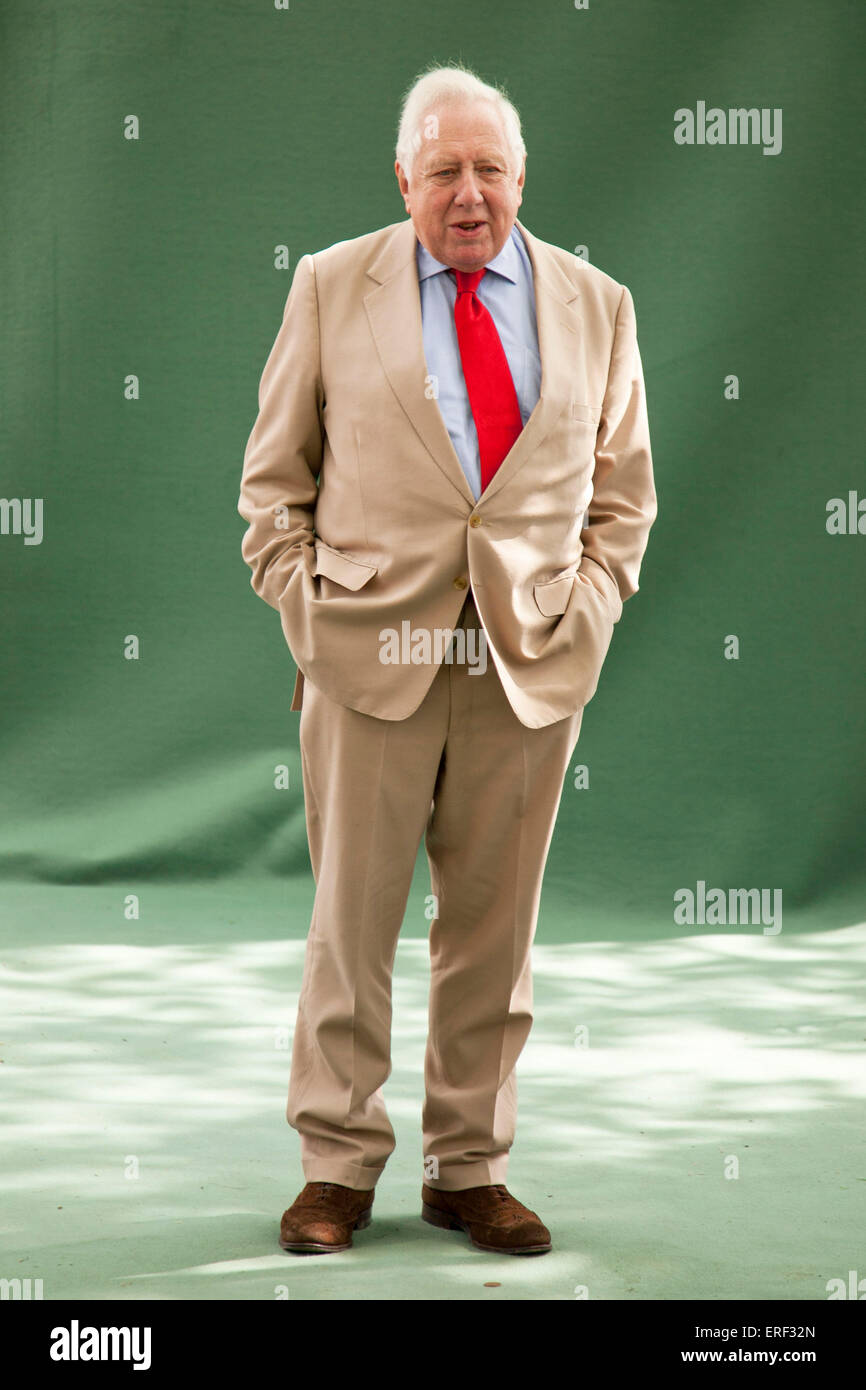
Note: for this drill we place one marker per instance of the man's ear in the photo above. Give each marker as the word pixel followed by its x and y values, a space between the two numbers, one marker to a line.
pixel 402 181
pixel 521 179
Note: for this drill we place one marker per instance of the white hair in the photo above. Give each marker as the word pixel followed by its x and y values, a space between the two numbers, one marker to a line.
pixel 455 84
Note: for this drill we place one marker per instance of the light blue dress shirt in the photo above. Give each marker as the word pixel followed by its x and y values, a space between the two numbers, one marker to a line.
pixel 507 292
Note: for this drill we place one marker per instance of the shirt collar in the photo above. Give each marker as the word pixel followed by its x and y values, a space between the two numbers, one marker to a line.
pixel 507 263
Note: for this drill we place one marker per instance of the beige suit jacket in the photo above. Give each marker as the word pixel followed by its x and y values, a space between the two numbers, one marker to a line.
pixel 359 513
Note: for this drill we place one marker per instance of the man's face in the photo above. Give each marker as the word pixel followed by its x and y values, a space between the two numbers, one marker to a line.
pixel 463 173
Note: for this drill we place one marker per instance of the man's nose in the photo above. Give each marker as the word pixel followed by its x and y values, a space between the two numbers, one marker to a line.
pixel 468 193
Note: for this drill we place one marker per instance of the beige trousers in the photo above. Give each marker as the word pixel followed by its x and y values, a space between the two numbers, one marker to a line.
pixel 484 791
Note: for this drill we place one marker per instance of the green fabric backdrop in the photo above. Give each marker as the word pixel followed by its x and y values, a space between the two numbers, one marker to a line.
pixel 155 258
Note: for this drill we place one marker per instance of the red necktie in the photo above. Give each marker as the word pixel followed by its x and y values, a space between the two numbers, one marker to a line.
pixel 492 397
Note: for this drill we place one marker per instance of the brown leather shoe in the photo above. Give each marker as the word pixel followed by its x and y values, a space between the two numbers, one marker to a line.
pixel 492 1218
pixel 322 1218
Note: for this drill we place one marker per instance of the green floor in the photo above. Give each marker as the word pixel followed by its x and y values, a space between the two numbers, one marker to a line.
pixel 146 1153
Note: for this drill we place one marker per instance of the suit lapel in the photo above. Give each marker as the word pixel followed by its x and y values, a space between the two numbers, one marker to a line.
pixel 394 313
pixel 559 321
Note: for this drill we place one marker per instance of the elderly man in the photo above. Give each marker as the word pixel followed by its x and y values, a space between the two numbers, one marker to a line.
pixel 452 438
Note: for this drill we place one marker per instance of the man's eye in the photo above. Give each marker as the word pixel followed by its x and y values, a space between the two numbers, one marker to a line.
pixel 485 169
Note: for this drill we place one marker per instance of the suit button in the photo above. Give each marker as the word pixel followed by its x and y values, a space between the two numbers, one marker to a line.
pixel 475 521
pixel 460 582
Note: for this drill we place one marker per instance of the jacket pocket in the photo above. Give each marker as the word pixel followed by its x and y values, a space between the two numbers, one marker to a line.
pixel 591 414
pixel 351 574
pixel 552 595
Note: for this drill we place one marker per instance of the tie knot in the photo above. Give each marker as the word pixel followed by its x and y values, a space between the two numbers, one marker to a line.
pixel 468 280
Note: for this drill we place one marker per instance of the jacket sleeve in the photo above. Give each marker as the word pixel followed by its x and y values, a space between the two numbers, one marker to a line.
pixel 283 456
pixel 623 505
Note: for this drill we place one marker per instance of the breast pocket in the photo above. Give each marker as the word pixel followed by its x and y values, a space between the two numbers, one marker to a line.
pixel 589 414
